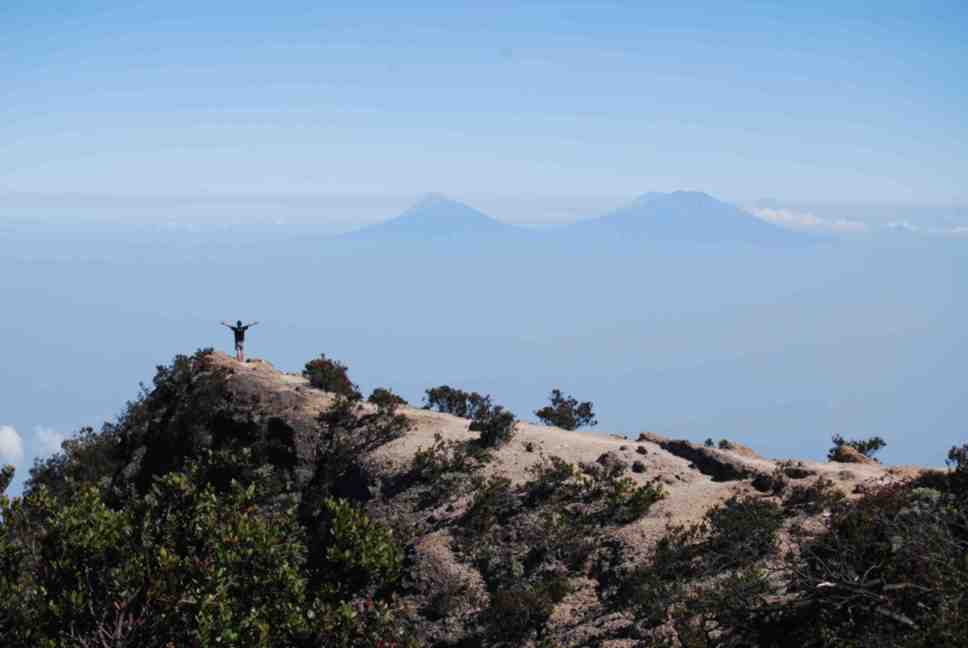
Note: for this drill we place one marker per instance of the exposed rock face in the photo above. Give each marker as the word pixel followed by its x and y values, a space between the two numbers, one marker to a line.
pixel 846 454
pixel 721 465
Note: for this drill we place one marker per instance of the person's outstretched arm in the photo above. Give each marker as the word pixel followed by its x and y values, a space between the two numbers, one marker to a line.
pixel 250 324
pixel 226 324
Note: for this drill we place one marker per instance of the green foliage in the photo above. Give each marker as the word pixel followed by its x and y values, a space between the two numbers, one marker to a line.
pixel 566 413
pixel 813 498
pixel 494 503
pixel 360 553
pixel 867 447
pixel 709 443
pixel 516 614
pixel 495 424
pixel 383 397
pixel 347 431
pixel 331 376
pixel 449 400
pixel 888 570
pixel 742 531
pixel 7 473
pixel 446 468
pixel 726 444
pixel 958 464
pixel 184 565
pixel 551 478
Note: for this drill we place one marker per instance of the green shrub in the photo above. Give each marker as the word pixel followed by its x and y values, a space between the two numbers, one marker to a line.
pixel 331 376
pixel 958 465
pixel 742 531
pixel 449 400
pixel 515 615
pixel 566 413
pixel 385 398
pixel 496 426
pixel 494 503
pixel 813 498
pixel 551 478
pixel 7 473
pixel 360 553
pixel 346 432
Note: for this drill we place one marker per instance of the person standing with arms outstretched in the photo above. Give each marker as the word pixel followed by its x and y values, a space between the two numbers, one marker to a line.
pixel 239 331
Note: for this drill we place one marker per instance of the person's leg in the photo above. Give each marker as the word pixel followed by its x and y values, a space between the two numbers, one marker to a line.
pixel 239 353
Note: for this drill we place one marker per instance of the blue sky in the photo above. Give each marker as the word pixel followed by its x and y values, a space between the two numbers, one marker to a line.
pixel 848 102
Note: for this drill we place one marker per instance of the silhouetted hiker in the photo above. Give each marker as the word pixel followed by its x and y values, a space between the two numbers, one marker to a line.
pixel 239 331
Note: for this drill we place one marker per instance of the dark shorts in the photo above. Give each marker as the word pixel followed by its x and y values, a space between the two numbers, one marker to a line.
pixel 239 345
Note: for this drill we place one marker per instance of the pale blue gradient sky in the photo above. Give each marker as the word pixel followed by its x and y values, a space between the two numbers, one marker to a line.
pixel 865 102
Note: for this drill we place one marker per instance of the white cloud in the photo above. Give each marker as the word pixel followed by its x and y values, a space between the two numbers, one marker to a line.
pixel 11 444
pixel 903 225
pixel 48 440
pixel 806 220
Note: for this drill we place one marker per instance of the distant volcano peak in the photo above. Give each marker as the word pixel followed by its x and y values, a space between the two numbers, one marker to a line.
pixel 435 215
pixel 688 216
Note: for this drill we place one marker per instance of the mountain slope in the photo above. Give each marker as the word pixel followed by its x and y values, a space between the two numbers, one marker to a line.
pixel 686 216
pixel 240 504
pixel 436 217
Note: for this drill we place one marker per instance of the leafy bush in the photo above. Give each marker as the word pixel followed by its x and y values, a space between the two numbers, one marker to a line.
pixel 742 531
pixel 726 444
pixel 494 503
pixel 359 552
pixel 867 447
pixel 347 432
pixel 958 464
pixel 7 473
pixel 383 397
pixel 813 498
pixel 551 478
pixel 449 400
pixel 495 424
pixel 331 376
pixel 566 413
pixel 514 615
pixel 888 570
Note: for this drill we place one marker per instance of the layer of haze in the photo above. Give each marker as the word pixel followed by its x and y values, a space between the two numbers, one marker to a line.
pixel 164 168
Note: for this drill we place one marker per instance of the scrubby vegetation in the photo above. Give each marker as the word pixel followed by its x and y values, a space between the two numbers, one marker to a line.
pixel 204 517
pixel 332 376
pixel 494 423
pixel 448 400
pixel 566 413
pixel 184 523
pixel 383 397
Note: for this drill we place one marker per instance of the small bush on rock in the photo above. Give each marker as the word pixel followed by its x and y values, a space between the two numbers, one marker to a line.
pixel 867 447
pixel 331 376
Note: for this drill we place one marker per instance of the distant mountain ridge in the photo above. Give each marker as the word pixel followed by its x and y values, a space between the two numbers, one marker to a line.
pixel 679 216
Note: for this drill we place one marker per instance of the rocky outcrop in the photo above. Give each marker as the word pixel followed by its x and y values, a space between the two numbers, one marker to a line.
pixel 721 465
pixel 846 454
